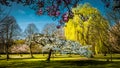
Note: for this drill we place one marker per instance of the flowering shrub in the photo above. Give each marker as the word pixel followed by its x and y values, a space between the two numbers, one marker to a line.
pixel 22 48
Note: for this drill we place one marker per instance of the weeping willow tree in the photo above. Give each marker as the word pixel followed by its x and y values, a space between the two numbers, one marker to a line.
pixel 88 27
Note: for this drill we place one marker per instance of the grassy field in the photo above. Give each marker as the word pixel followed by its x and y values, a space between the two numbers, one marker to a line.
pixel 63 61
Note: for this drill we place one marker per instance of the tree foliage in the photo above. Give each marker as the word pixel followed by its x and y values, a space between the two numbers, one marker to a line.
pixel 52 43
pixel 88 27
pixel 57 8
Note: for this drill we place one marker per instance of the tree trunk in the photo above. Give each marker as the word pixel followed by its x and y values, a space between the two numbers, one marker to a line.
pixel 105 53
pixel 93 49
pixel 49 55
pixel 4 48
pixel 110 52
pixel 111 55
pixel 7 53
pixel 31 51
pixel 70 54
pixel 43 54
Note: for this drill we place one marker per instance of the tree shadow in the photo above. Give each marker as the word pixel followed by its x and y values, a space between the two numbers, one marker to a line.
pixel 87 62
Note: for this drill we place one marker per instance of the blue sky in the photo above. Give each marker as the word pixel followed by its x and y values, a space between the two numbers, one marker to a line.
pixel 25 15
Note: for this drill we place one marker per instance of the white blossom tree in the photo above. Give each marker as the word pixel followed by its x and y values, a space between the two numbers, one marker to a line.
pixel 52 43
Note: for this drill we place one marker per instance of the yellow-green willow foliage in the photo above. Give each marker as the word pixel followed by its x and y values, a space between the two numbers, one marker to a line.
pixel 88 27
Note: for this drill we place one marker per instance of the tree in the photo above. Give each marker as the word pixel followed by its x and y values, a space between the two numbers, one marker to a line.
pixel 112 4
pixel 3 12
pixel 88 27
pixel 9 30
pixel 49 29
pixel 44 40
pixel 3 15
pixel 115 38
pixel 29 32
pixel 51 43
pixel 113 15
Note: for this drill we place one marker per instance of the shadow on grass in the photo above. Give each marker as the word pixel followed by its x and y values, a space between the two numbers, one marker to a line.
pixel 89 63
pixel 61 64
pixel 84 62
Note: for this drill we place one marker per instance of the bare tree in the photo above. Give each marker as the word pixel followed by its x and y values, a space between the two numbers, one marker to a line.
pixel 29 31
pixel 49 29
pixel 115 38
pixel 112 8
pixel 113 16
pixel 9 30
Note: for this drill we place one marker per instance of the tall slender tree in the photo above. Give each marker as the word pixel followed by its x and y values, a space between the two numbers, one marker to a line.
pixel 9 30
pixel 30 30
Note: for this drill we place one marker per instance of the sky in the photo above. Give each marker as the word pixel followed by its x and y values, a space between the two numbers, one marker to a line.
pixel 25 15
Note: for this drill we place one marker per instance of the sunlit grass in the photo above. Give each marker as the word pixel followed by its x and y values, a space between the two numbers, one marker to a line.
pixel 39 56
pixel 108 56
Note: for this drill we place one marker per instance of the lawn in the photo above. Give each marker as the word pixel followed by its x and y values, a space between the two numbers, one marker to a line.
pixel 64 61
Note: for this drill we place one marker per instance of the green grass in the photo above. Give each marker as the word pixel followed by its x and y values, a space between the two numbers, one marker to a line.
pixel 114 56
pixel 63 61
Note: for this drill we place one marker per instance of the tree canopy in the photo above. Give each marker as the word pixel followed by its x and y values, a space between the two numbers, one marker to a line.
pixel 31 29
pixel 88 27
pixel 9 31
pixel 49 29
